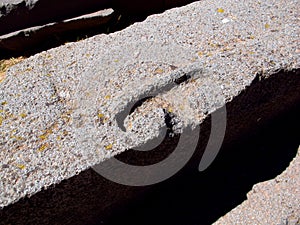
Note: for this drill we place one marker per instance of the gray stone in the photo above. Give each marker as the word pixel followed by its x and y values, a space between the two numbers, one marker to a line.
pixel 59 108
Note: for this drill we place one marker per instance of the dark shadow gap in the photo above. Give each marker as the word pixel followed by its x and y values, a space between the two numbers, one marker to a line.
pixel 201 198
pixel 51 37
pixel 126 13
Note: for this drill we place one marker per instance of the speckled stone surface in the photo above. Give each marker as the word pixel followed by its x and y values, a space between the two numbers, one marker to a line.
pixel 276 201
pixel 58 108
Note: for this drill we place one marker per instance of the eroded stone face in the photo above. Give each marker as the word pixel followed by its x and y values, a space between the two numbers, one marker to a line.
pixel 59 108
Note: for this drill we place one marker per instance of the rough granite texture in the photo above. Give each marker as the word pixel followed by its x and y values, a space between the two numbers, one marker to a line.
pixel 276 201
pixel 58 109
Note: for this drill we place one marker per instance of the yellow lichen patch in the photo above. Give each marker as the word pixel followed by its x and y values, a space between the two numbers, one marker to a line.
pixel 49 56
pixel 1 120
pixel 4 103
pixel 21 166
pixel 267 25
pixel 18 138
pixel 43 147
pixel 6 64
pixel 251 37
pixel 109 147
pixel 45 134
pixel 28 69
pixel 129 125
pixel 107 97
pixel 23 115
pixel 200 54
pixel 220 10
pixel 66 118
pixel 158 71
pixel 2 76
pixel 170 110
pixel 116 60
pixel 100 115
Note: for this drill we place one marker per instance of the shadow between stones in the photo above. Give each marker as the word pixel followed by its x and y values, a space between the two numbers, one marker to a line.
pixel 44 12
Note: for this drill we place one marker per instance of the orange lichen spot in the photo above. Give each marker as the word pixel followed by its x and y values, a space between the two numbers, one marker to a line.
pixel 267 25
pixel 220 10
pixel 158 71
pixel 109 147
pixel 107 97
pixel 21 166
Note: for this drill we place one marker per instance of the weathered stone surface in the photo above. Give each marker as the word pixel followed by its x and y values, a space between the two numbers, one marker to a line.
pixel 59 108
